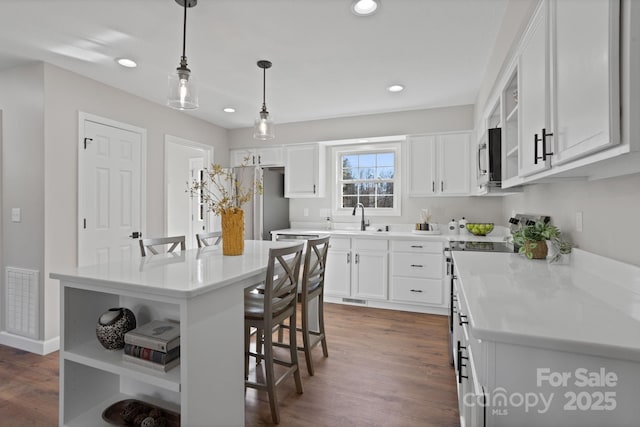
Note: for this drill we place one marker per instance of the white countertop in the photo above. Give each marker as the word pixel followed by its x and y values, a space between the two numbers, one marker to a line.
pixel 187 274
pixel 399 235
pixel 591 306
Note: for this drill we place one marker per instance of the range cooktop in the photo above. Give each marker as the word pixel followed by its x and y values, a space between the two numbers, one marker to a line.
pixel 481 246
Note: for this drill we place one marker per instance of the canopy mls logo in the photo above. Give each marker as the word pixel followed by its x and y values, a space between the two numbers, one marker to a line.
pixel 593 393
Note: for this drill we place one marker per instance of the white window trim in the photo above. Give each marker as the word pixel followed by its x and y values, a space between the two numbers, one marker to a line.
pixel 336 170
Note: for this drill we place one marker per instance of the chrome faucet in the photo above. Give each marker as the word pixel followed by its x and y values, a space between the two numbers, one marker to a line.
pixel 363 226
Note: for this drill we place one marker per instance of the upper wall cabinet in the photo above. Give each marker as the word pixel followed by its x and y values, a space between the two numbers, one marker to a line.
pixel 585 71
pixel 267 156
pixel 533 96
pixel 568 83
pixel 304 170
pixel 439 164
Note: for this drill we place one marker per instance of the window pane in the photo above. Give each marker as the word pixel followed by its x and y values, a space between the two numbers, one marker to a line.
pixel 385 202
pixel 349 189
pixel 349 201
pixel 350 161
pixel 367 173
pixel 367 188
pixel 385 159
pixel 349 173
pixel 385 172
pixel 368 201
pixel 385 188
pixel 367 160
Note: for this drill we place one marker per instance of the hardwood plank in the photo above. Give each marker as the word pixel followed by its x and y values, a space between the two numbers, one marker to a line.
pixel 385 368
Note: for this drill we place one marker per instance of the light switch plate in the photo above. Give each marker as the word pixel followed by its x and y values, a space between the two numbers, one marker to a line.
pixel 579 222
pixel 16 215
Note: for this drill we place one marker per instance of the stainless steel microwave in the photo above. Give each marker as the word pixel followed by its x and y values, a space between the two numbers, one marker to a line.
pixel 490 159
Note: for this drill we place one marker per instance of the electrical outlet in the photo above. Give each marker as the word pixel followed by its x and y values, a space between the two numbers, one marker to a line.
pixel 579 222
pixel 305 212
pixel 16 214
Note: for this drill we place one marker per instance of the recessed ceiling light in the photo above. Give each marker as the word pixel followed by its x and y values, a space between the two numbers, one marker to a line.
pixel 395 88
pixel 365 7
pixel 229 110
pixel 126 62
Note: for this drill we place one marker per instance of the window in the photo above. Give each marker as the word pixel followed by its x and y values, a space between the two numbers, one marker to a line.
pixel 367 175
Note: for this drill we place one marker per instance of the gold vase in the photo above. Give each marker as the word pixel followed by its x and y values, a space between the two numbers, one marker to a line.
pixel 233 232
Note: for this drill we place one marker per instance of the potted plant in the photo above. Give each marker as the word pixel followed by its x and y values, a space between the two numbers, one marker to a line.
pixel 224 195
pixel 532 239
pixel 562 251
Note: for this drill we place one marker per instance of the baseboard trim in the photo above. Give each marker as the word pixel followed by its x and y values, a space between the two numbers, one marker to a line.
pixel 29 344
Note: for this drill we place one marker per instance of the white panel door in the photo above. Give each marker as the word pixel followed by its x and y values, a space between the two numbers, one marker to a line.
pixel 109 193
pixel 198 212
pixel 533 96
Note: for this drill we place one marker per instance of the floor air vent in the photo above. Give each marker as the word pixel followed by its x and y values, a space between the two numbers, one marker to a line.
pixel 354 301
pixel 22 302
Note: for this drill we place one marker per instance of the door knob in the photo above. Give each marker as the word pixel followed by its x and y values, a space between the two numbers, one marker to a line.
pixel 135 235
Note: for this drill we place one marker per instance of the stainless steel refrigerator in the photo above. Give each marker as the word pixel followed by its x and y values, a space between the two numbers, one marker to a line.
pixel 266 212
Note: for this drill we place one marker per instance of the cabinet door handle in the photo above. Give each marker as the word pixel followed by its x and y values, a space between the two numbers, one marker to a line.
pixel 259 159
pixel 460 364
pixel 441 185
pixel 544 144
pixel 417 265
pixel 357 258
pixel 416 290
pixel 535 149
pixel 433 186
pixel 481 171
pixel 253 159
pixel 348 258
pixel 314 189
pixel 462 319
pixel 416 246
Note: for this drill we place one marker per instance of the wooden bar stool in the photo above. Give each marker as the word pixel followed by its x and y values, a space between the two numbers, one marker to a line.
pixel 149 245
pixel 266 310
pixel 209 239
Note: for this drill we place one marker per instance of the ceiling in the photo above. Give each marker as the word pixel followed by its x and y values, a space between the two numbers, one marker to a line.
pixel 327 62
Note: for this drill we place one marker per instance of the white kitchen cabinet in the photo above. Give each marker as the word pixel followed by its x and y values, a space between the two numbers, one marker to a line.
pixel 269 156
pixel 304 171
pixel 337 279
pixel 439 164
pixel 585 67
pixel 357 268
pixel 417 272
pixel 567 82
pixel 534 97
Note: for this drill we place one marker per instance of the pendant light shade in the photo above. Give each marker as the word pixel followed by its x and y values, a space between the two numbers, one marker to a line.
pixel 264 127
pixel 183 93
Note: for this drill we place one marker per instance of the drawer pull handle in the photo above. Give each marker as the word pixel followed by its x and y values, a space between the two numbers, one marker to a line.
pixel 417 246
pixel 417 265
pixel 416 290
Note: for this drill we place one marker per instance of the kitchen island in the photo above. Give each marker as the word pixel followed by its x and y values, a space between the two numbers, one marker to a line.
pixel 538 344
pixel 200 288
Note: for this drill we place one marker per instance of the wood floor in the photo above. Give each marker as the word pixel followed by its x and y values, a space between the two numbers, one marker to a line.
pixel 385 368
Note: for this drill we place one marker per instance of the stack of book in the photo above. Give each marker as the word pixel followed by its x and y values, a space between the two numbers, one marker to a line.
pixel 155 345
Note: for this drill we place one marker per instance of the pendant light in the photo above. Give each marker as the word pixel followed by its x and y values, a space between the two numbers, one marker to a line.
pixel 264 127
pixel 183 94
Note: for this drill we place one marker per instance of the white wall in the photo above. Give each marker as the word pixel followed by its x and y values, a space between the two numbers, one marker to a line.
pixel 40 104
pixel 23 167
pixel 610 209
pixel 448 119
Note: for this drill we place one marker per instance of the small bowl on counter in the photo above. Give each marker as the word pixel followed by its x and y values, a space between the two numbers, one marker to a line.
pixel 479 228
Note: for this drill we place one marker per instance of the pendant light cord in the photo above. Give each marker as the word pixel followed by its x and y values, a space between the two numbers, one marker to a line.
pixel 264 89
pixel 184 34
